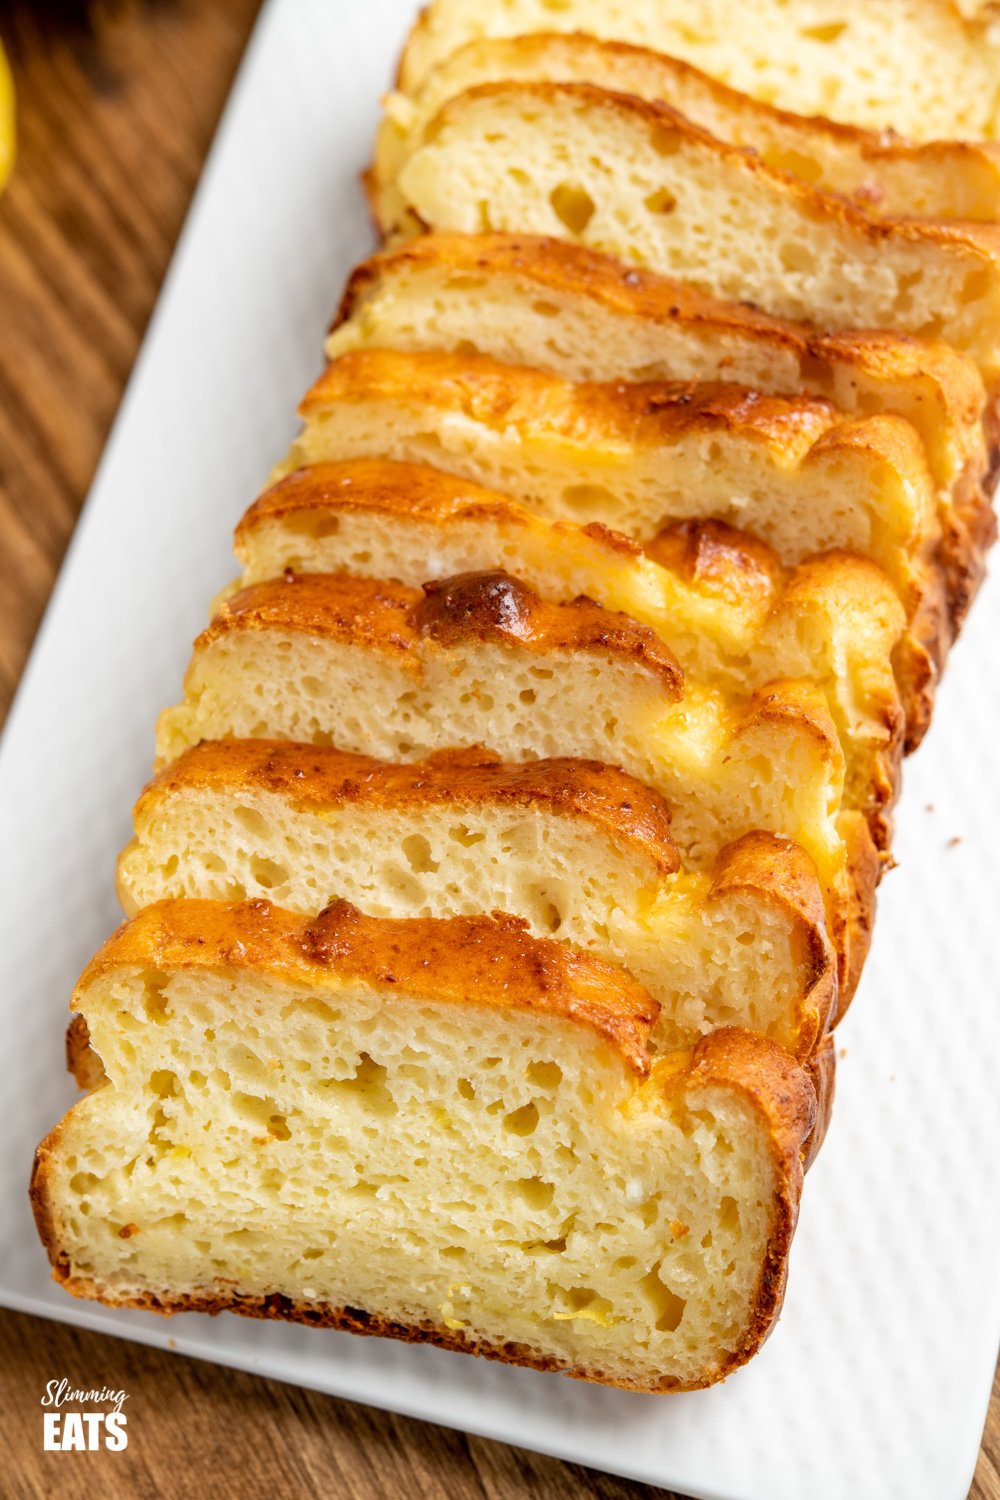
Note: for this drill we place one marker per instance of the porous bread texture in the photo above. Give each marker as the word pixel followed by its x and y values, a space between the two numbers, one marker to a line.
pixel 381 670
pixel 886 175
pixel 584 316
pixel 877 66
pixel 635 457
pixel 718 598
pixel 638 181
pixel 577 850
pixel 289 1132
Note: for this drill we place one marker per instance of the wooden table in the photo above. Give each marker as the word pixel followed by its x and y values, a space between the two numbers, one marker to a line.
pixel 115 119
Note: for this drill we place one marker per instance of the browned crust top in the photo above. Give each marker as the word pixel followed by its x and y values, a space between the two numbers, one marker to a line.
pixel 502 396
pixel 320 777
pixel 488 607
pixel 480 961
pixel 978 241
pixel 561 266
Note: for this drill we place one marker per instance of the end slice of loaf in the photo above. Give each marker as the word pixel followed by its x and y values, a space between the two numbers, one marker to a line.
pixel 638 181
pixel 718 598
pixel 382 670
pixel 636 457
pixel 884 174
pixel 576 849
pixel 877 66
pixel 442 1132
pixel 586 317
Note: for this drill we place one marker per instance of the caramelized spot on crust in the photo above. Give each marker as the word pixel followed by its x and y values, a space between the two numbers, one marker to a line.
pixel 718 559
pixel 484 606
pixel 478 604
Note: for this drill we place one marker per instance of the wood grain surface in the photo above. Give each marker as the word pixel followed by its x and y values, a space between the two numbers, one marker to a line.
pixel 117 105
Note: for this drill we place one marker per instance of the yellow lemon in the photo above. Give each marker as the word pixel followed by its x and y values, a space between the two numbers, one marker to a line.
pixel 6 119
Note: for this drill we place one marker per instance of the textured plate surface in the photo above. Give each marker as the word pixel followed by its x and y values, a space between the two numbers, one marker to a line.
pixel 875 1383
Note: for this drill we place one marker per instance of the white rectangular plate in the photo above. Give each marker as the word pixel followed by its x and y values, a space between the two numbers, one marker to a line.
pixel 876 1381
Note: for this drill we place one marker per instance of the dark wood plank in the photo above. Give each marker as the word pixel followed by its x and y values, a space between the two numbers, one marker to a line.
pixel 115 118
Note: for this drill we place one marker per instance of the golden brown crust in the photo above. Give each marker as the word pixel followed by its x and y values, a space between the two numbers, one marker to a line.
pixel 323 778
pixel 778 1091
pixel 385 486
pixel 564 267
pixel 853 930
pixel 393 619
pixel 488 961
pixel 84 1064
pixel 822 1070
pixel 980 242
pixel 493 605
pixel 968 531
pixel 640 413
pixel 362 611
pixel 852 585
pixel 913 662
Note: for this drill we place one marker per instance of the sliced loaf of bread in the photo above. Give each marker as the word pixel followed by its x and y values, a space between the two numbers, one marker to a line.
pixel 444 1132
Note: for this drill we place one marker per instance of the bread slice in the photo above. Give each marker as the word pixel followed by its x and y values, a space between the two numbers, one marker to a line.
pixel 885 175
pixel 382 670
pixel 636 457
pixel 916 67
pixel 638 181
pixel 574 848
pixel 719 599
pixel 444 1132
pixel 586 317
